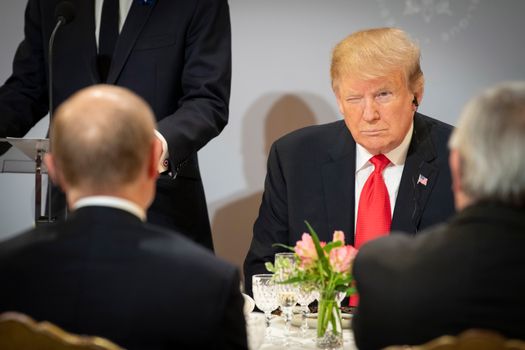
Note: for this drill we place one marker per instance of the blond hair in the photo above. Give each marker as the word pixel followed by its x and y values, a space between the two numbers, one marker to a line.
pixel 377 52
pixel 101 137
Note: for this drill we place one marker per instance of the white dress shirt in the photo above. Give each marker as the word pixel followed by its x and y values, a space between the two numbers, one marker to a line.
pixel 112 202
pixel 391 174
pixel 124 6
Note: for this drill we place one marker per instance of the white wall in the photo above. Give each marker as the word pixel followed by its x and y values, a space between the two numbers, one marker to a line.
pixel 281 55
pixel 16 191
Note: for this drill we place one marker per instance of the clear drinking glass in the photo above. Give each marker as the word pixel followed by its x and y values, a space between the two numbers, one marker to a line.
pixel 339 296
pixel 287 293
pixel 265 295
pixel 305 296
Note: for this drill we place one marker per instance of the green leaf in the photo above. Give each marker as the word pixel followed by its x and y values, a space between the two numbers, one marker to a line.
pixel 320 253
pixel 283 246
pixel 346 279
pixel 332 245
pixel 269 266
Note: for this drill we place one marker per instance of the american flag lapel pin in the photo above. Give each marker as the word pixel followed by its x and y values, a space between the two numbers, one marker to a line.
pixel 422 180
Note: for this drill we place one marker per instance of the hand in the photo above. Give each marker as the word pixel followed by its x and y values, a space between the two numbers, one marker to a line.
pixel 163 158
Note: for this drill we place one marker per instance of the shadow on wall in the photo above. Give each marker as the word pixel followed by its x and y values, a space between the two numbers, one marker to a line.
pixel 269 118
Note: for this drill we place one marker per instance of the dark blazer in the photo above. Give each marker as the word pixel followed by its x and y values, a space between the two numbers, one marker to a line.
pixel 311 176
pixel 467 273
pixel 176 54
pixel 104 272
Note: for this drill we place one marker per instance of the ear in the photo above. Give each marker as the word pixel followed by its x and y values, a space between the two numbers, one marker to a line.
pixel 455 163
pixel 49 161
pixel 53 171
pixel 455 169
pixel 418 96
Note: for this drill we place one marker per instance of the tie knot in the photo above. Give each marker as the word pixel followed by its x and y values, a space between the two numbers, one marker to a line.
pixel 380 162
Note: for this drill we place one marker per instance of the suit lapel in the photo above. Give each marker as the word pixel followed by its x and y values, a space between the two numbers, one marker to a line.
pixel 413 194
pixel 338 182
pixel 137 18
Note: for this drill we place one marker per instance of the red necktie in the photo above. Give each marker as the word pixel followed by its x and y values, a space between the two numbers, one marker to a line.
pixel 373 214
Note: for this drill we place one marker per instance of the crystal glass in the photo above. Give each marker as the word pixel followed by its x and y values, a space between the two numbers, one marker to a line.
pixel 316 295
pixel 339 296
pixel 305 296
pixel 265 294
pixel 287 293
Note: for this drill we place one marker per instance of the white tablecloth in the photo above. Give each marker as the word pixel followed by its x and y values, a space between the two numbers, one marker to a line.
pixel 298 340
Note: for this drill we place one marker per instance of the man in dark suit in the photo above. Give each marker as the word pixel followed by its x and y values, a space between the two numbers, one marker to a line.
pixel 318 173
pixel 175 54
pixel 104 271
pixel 467 273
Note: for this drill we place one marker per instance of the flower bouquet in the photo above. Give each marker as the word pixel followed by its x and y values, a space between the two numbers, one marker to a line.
pixel 327 268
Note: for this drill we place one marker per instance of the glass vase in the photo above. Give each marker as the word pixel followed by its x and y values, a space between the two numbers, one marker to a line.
pixel 329 322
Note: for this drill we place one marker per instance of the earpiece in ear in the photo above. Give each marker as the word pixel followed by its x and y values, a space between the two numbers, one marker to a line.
pixel 414 102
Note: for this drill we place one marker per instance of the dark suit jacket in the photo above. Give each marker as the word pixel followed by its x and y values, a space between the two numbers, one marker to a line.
pixel 104 272
pixel 311 176
pixel 465 274
pixel 176 54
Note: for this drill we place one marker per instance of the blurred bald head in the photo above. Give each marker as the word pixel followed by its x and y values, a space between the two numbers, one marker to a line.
pixel 102 139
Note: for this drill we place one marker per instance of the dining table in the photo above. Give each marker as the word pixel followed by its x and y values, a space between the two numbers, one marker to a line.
pixel 274 338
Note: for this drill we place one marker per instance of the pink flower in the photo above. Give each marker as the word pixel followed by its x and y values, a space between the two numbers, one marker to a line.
pixel 341 258
pixel 339 236
pixel 305 249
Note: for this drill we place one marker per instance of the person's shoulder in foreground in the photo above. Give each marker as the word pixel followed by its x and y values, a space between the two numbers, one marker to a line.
pixel 208 290
pixel 157 266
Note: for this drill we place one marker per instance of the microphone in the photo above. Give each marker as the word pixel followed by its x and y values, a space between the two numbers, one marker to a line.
pixel 64 14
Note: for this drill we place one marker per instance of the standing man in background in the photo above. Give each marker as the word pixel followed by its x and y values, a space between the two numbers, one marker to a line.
pixel 175 54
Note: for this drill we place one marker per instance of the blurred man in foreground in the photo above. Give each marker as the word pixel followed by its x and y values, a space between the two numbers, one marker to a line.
pixel 384 167
pixel 467 273
pixel 104 271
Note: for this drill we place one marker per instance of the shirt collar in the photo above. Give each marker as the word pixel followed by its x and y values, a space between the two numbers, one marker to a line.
pixel 397 156
pixel 112 202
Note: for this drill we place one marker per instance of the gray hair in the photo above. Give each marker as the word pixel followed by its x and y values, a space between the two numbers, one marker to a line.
pixel 490 139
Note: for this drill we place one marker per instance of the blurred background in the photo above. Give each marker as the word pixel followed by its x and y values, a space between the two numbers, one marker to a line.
pixel 281 58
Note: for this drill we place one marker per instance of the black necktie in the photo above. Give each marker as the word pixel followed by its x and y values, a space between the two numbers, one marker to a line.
pixel 109 29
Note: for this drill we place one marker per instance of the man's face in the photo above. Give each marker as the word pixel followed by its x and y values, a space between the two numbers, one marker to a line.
pixel 378 112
